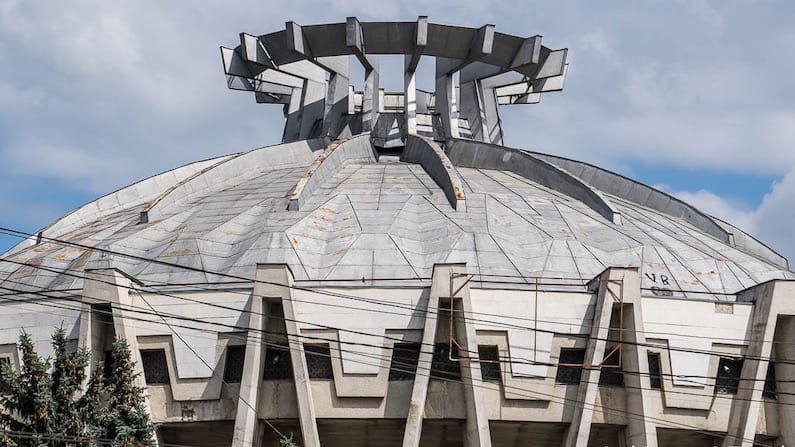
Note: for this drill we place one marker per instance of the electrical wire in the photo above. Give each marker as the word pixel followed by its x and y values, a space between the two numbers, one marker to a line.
pixel 414 308
pixel 552 397
pixel 568 334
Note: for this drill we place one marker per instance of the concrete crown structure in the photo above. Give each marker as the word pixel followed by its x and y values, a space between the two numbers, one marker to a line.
pixel 392 275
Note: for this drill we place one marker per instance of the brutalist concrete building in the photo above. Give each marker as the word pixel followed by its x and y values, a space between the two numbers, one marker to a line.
pixel 392 275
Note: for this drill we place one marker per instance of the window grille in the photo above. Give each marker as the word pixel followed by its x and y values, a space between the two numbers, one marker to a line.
pixel 611 374
pixel 404 361
pixel 570 375
pixel 489 370
pixel 278 364
pixel 235 358
pixel 441 366
pixel 728 378
pixel 769 389
pixel 655 371
pixel 318 361
pixel 155 366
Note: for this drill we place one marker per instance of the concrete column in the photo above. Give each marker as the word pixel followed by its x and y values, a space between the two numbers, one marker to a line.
pixel 477 426
pixel 771 300
pixel 478 433
pixel 580 427
pixel 472 110
pixel 371 103
pixel 785 374
pixel 110 286
pixel 313 108
pixel 419 392
pixel 275 275
pixel 491 114
pixel 410 99
pixel 246 427
pixel 640 432
pixel 336 98
pixel 446 104
pixel 292 113
pixel 88 339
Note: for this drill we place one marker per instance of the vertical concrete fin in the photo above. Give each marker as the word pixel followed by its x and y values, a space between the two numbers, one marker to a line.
pixel 419 392
pixel 446 277
pixel 477 428
pixel 580 428
pixel 771 300
pixel 269 277
pixel 110 286
pixel 245 432
pixel 640 431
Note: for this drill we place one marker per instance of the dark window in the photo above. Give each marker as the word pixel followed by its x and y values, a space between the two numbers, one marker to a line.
pixel 441 366
pixel 5 362
pixel 318 361
pixel 404 361
pixel 611 373
pixel 489 363
pixel 769 389
pixel 567 373
pixel 155 366
pixel 107 366
pixel 235 357
pixel 728 378
pixel 655 375
pixel 278 364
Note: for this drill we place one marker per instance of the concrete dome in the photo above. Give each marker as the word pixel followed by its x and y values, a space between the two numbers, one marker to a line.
pixel 341 214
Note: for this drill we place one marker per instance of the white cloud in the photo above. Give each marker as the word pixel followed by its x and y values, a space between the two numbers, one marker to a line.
pixel 771 221
pixel 97 94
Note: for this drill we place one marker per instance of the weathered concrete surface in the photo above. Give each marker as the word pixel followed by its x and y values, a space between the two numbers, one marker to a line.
pixel 636 192
pixel 426 153
pixel 469 154
pixel 328 163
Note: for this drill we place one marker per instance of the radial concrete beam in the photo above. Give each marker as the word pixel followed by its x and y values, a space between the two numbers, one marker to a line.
pixel 431 157
pixel 474 154
pixel 253 52
pixel 481 46
pixel 635 192
pixel 337 155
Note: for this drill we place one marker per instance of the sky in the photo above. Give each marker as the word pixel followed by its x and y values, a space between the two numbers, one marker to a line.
pixel 691 96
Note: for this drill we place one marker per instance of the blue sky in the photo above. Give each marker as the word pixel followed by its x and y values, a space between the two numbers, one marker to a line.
pixel 693 96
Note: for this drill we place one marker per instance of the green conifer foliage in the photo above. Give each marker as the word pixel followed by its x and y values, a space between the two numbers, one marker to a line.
pixel 26 402
pixel 67 376
pixel 42 406
pixel 126 420
pixel 92 406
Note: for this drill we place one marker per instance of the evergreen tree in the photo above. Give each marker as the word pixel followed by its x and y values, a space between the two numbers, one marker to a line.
pixel 43 402
pixel 126 420
pixel 91 405
pixel 68 373
pixel 26 403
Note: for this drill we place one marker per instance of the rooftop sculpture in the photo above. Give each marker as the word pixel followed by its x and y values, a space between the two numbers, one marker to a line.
pixel 306 68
